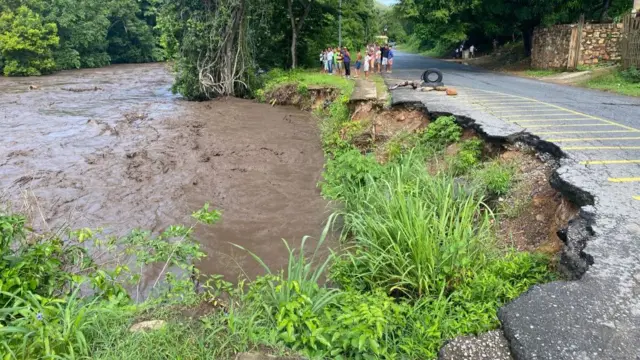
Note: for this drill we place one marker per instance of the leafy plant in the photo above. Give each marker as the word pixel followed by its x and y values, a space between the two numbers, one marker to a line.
pixel 442 132
pixel 349 172
pixel 631 74
pixel 293 300
pixel 495 177
pixel 467 157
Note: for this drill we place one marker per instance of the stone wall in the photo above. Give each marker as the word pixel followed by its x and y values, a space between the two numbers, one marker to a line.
pixel 598 43
pixel 550 48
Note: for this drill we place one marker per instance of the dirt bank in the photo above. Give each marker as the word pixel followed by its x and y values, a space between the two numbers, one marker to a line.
pixel 122 152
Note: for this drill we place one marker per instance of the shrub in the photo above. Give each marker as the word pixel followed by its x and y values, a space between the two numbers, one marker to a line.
pixel 467 158
pixel 442 132
pixel 27 42
pixel 43 314
pixel 495 177
pixel 349 172
pixel 632 74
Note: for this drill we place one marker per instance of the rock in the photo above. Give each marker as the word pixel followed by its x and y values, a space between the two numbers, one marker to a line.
pixel 452 92
pixel 540 218
pixel 150 325
pixel 427 88
pixel 34 87
pixel 488 346
pixel 441 88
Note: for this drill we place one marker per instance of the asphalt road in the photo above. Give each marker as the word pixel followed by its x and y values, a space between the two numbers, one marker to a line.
pixel 622 109
pixel 598 316
pixel 598 129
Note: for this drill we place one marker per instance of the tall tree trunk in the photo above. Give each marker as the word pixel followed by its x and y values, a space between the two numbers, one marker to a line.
pixel 294 40
pixel 295 28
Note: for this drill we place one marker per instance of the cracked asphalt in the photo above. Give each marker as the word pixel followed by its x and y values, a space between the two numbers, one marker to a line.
pixel 597 128
pixel 598 315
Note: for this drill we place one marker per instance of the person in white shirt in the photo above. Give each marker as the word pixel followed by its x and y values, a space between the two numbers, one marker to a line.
pixel 472 50
pixel 367 64
pixel 330 61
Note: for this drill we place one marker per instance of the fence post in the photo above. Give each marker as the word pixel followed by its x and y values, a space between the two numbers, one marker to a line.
pixel 575 45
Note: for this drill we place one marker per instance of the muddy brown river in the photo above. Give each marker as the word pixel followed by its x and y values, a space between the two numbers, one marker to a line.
pixel 113 148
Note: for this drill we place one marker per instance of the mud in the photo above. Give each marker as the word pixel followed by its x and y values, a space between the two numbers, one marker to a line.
pixel 129 154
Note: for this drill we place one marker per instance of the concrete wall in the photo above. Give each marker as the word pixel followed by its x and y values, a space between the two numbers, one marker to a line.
pixel 598 42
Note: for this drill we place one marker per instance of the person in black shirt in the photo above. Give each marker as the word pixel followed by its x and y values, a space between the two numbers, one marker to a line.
pixel 384 50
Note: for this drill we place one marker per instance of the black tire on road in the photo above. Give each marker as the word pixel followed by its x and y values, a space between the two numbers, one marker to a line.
pixel 428 72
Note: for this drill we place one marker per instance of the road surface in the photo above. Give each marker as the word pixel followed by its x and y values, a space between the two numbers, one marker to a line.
pixel 597 128
pixel 598 316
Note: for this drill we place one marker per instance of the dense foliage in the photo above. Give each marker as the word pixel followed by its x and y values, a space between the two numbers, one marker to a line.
pixel 38 37
pixel 441 26
pixel 193 32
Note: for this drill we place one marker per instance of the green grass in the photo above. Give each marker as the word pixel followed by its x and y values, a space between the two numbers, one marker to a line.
pixel 303 78
pixel 615 82
pixel 416 234
pixel 541 72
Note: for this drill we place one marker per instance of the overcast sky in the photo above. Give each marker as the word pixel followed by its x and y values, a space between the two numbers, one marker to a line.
pixel 388 2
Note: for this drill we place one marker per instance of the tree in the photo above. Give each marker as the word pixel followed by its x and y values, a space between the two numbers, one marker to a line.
pixel 27 42
pixel 296 27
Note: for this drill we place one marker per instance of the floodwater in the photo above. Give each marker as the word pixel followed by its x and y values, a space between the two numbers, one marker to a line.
pixel 113 148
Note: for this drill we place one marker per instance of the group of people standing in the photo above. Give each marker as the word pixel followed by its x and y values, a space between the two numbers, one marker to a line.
pixel 375 59
pixel 459 51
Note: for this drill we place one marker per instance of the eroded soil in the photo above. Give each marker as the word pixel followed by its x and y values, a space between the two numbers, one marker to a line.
pixel 113 147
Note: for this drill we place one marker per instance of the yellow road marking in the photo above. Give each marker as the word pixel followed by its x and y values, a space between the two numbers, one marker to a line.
pixel 514 101
pixel 624 180
pixel 506 101
pixel 609 162
pixel 585 132
pixel 547 120
pixel 542 115
pixel 577 125
pixel 636 197
pixel 601 148
pixel 565 109
pixel 524 107
pixel 593 139
pixel 524 110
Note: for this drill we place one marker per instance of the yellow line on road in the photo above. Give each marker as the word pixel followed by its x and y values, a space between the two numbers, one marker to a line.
pixel 609 162
pixel 636 197
pixel 524 107
pixel 542 115
pixel 548 120
pixel 577 125
pixel 593 139
pixel 586 132
pixel 565 109
pixel 624 180
pixel 524 110
pixel 601 148
pixel 510 101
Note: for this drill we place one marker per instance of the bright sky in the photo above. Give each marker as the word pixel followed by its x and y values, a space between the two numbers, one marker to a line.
pixel 388 2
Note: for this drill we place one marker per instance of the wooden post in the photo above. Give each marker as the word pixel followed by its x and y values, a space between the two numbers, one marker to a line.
pixel 575 44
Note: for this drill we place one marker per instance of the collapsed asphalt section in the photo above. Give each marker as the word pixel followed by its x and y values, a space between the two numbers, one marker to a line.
pixel 596 314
